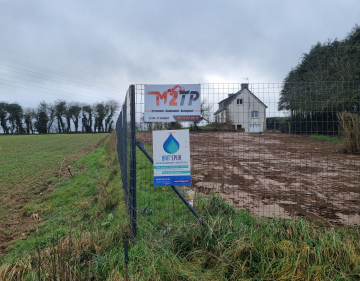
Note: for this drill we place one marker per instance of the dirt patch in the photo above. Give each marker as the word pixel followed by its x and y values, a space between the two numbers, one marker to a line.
pixel 277 174
pixel 17 224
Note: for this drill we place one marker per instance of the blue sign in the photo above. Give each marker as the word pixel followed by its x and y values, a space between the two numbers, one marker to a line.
pixel 171 150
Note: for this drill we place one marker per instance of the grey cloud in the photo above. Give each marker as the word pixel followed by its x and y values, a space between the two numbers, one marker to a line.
pixel 122 42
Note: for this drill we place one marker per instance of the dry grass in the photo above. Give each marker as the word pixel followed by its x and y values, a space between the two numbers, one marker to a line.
pixel 58 262
pixel 69 258
pixel 350 131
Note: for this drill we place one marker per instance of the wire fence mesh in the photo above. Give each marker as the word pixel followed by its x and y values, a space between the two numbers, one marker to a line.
pixel 272 149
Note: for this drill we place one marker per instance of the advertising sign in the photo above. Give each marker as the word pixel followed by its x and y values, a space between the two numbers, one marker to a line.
pixel 172 103
pixel 171 154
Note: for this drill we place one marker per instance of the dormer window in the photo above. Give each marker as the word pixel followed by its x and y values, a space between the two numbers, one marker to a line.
pixel 239 101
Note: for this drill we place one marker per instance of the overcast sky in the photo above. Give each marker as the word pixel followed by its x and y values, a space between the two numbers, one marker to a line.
pixel 90 51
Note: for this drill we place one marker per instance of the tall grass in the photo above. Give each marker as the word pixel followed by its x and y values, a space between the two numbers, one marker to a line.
pixel 350 131
pixel 234 245
pixel 245 248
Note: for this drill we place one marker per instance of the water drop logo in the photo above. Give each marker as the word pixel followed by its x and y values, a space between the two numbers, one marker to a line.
pixel 171 145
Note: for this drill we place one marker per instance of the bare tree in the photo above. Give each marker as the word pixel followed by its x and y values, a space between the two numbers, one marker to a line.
pixel 87 118
pixel 42 118
pixel 60 109
pixel 111 106
pixel 206 111
pixel 75 110
pixel 29 116
pixel 51 111
pixel 68 115
pixel 100 112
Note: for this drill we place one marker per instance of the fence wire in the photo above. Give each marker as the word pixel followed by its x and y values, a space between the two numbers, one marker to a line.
pixel 272 149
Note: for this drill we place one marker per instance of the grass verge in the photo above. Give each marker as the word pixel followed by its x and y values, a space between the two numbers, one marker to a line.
pixel 333 140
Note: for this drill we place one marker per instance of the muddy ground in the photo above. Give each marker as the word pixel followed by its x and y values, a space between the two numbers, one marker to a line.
pixel 277 174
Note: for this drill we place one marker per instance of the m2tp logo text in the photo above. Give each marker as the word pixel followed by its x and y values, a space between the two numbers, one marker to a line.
pixel 193 96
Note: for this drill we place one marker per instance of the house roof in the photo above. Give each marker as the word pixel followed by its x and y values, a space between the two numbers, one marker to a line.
pixel 231 97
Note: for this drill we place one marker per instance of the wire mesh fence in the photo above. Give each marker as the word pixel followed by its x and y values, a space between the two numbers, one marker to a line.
pixel 272 149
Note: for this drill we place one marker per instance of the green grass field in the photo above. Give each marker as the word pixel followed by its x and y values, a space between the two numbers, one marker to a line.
pixel 26 158
pixel 84 225
pixel 30 166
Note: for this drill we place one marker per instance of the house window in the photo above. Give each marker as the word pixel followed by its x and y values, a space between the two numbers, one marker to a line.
pixel 239 101
pixel 254 114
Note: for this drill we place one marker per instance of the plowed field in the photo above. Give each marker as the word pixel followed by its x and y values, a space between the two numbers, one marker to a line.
pixel 277 174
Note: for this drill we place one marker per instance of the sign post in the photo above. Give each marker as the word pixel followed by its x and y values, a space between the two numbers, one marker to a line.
pixel 171 150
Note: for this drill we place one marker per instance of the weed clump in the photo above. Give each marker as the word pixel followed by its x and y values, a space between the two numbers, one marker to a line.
pixel 216 205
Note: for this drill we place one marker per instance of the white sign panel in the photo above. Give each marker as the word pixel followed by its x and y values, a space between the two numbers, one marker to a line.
pixel 172 103
pixel 171 154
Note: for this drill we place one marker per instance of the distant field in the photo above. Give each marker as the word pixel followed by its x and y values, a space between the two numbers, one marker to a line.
pixel 31 164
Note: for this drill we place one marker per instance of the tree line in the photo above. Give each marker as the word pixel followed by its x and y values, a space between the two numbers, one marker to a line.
pixel 58 117
pixel 325 82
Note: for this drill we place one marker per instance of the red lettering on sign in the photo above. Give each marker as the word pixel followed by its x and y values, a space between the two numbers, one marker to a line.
pixel 174 95
pixel 159 96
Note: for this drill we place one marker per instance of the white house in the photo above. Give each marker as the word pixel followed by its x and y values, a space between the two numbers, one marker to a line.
pixel 244 110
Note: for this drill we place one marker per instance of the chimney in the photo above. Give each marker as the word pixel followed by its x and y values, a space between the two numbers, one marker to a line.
pixel 244 86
